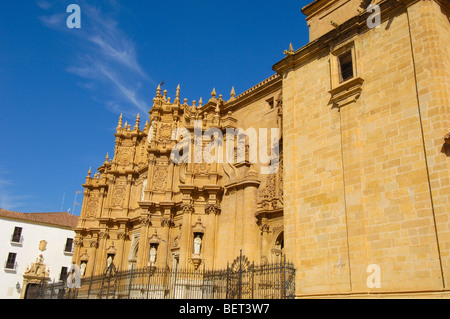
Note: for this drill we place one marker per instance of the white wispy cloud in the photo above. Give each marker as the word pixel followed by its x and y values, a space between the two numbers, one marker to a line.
pixel 9 199
pixel 106 57
pixel 45 5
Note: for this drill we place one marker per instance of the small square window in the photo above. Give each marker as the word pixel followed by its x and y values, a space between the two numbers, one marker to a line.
pixel 271 104
pixel 63 275
pixel 11 261
pixel 345 66
pixel 69 245
pixel 17 235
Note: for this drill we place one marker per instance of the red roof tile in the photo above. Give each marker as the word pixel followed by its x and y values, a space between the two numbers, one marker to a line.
pixel 57 219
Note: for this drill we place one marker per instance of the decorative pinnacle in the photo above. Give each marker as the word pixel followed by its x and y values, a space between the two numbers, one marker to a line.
pixel 138 121
pixel 120 121
pixel 200 102
pixel 291 50
pixel 90 172
pixel 177 97
pixel 217 110
pixel 233 92
pixel 213 93
pixel 158 91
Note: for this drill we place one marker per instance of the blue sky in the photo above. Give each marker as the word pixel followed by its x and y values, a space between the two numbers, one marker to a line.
pixel 62 90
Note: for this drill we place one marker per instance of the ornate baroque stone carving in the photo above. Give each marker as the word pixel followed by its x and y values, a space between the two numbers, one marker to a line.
pixel 92 204
pixel 188 208
pixel 146 221
pixel 165 133
pixel 167 222
pixel 103 235
pixel 265 228
pixel 118 196
pixel 125 156
pixel 159 180
pixel 212 209
pixel 94 243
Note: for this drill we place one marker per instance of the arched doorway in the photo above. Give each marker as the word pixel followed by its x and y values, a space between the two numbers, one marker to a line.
pixel 132 260
pixel 278 248
pixel 32 291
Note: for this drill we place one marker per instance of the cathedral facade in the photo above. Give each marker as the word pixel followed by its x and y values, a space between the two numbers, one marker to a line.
pixel 359 117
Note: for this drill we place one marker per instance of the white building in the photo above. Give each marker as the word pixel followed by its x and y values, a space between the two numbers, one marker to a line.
pixel 24 237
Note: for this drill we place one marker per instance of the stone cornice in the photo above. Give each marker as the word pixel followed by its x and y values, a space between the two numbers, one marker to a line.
pixel 263 88
pixel 356 25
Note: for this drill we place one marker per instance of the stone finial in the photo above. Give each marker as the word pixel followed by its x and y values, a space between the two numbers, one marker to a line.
pixel 217 110
pixel 213 93
pixel 89 172
pixel 138 121
pixel 291 50
pixel 233 93
pixel 200 102
pixel 158 91
pixel 120 122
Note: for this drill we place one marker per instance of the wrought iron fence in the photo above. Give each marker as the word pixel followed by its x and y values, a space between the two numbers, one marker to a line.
pixel 240 280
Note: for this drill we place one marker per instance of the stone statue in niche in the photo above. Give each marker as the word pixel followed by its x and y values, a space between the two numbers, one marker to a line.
pixel 152 255
pixel 197 245
pixel 109 261
pixel 83 268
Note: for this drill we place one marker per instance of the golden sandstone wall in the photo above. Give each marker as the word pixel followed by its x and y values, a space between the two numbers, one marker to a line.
pixel 239 227
pixel 368 183
pixel 365 180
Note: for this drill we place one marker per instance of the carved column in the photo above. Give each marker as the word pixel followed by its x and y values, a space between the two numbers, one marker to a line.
pixel 265 238
pixel 142 259
pixel 188 210
pixel 121 238
pixel 93 247
pixel 250 226
pixel 101 255
pixel 212 210
pixel 78 244
pixel 163 249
